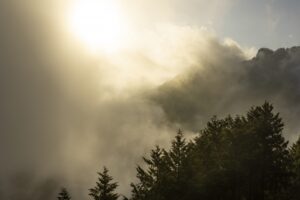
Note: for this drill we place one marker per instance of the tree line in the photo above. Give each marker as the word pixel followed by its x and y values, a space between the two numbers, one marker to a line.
pixel 234 158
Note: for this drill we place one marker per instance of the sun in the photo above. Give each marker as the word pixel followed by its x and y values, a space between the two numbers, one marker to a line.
pixel 99 24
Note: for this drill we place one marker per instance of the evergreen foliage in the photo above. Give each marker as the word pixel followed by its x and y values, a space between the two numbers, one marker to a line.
pixel 234 158
pixel 105 188
pixel 295 185
pixel 64 195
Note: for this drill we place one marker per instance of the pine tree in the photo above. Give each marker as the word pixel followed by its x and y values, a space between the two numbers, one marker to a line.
pixel 163 175
pixel 178 153
pixel 105 188
pixel 151 179
pixel 268 173
pixel 245 157
pixel 64 195
pixel 175 180
pixel 295 187
pixel 240 158
pixel 208 161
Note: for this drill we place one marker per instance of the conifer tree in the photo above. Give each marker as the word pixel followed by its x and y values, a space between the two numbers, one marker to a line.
pixel 151 179
pixel 175 180
pixel 295 187
pixel 268 173
pixel 209 161
pixel 177 154
pixel 64 195
pixel 105 188
pixel 245 157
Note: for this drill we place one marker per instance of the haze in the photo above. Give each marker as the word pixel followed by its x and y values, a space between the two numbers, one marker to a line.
pixel 82 89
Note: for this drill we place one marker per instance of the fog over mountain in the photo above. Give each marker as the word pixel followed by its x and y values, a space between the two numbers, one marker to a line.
pixel 225 83
pixel 65 113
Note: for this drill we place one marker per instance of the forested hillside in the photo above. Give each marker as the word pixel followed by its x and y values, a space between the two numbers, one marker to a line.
pixel 235 158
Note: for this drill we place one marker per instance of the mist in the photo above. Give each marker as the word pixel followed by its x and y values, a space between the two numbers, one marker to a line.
pixel 226 83
pixel 65 112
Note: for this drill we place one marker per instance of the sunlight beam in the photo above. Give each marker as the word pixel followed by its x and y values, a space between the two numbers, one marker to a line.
pixel 99 24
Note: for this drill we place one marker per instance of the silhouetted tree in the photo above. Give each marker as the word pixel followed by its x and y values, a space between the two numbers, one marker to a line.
pixel 295 184
pixel 240 158
pixel 105 188
pixel 209 161
pixel 163 175
pixel 151 179
pixel 177 155
pixel 64 195
pixel 268 173
pixel 175 161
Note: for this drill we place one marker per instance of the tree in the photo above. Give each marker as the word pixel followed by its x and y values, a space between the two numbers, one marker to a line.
pixel 295 182
pixel 242 157
pixel 268 173
pixel 163 176
pixel 105 188
pixel 63 195
pixel 151 178
pixel 209 161
pixel 175 162
pixel 177 155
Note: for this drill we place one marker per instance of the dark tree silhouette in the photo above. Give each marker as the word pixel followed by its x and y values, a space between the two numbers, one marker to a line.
pixel 295 182
pixel 151 179
pixel 177 155
pixel 105 188
pixel 245 157
pixel 64 195
pixel 234 158
pixel 175 159
pixel 210 161
pixel 269 173
pixel 163 176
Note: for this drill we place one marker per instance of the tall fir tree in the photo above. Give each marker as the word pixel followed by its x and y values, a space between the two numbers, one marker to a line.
pixel 163 176
pixel 245 157
pixel 177 154
pixel 269 173
pixel 151 179
pixel 105 188
pixel 240 158
pixel 175 159
pixel 64 195
pixel 295 182
pixel 208 161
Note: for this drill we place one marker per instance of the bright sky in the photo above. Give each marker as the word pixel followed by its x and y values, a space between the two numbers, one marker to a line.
pixel 255 23
pixel 73 69
pixel 268 23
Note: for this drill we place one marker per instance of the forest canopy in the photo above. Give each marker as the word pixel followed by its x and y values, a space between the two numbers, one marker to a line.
pixel 234 158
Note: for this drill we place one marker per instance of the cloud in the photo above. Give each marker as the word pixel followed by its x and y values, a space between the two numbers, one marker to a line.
pixel 225 83
pixel 178 11
pixel 66 113
pixel 27 186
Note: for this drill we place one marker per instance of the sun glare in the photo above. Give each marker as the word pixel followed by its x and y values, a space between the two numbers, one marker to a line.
pixel 99 24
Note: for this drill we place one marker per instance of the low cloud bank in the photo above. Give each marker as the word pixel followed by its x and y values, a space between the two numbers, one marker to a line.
pixel 225 83
pixel 65 113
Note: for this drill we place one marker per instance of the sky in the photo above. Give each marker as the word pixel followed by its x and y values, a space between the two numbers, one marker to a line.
pixel 267 23
pixel 87 83
pixel 256 23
